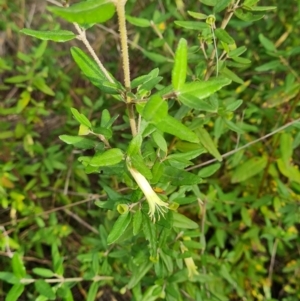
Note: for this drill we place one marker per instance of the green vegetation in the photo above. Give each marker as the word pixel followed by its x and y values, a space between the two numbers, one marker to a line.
pixel 168 170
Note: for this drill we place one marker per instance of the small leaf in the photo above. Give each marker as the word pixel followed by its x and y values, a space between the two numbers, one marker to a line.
pixel 40 84
pixel 15 292
pixel 198 16
pixel 182 222
pixel 110 157
pixel 119 227
pixel 247 16
pixel 93 11
pixel 140 22
pixel 268 44
pixel 231 75
pixel 53 35
pixel 156 109
pixel 180 65
pixel 209 170
pixel 221 5
pixel 135 145
pixel 78 142
pixel 160 141
pixel 224 36
pixel 137 162
pixel 93 290
pixel 44 289
pixel 141 271
pixel 195 103
pixel 81 118
pixel 192 25
pixel 172 126
pixel 9 277
pixel 209 2
pixel 178 177
pixel 18 266
pixel 203 89
pixel 286 147
pixel 43 272
pixel 208 143
pixel 155 57
pixel 249 169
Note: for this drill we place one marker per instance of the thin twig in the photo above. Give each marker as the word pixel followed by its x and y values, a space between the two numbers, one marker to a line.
pixel 245 146
pixel 272 262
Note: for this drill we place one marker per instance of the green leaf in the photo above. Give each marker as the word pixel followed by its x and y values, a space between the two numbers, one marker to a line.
pixel 93 290
pixel 18 266
pixel 155 57
pixel 196 15
pixel 119 227
pixel 182 222
pixel 43 272
pixel 208 143
pixel 40 84
pixel 140 80
pixel 52 35
pixel 246 217
pixel 135 145
pixel 237 52
pixel 192 25
pixel 286 147
pixel 78 142
pixel 209 2
pixel 259 8
pixel 195 103
pixel 180 65
pixel 137 221
pixel 231 75
pixel 203 89
pixel 137 162
pixel 249 169
pixel 44 289
pixel 15 292
pixel 140 272
pixel 221 4
pixel 232 126
pixel 93 11
pixel 81 118
pixel 156 109
pixel 224 36
pixel 160 141
pixel 110 157
pixel 172 126
pixel 87 65
pixel 209 170
pixel 179 177
pixel 9 277
pixel 268 44
pixel 247 16
pixel 140 22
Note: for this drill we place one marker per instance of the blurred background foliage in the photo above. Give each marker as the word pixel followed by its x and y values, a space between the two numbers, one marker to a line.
pixel 47 200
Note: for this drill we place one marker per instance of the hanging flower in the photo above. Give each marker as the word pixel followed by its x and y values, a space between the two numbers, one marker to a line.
pixel 155 203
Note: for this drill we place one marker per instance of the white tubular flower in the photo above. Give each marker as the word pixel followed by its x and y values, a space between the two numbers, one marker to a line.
pixel 189 262
pixel 155 203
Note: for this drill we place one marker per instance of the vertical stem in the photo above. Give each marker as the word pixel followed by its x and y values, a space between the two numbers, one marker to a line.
pixel 120 7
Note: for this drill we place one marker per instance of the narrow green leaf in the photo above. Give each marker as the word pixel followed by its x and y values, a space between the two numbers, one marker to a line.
pixel 237 52
pixel 93 290
pixel 155 57
pixel 18 266
pixel 198 16
pixel 52 35
pixel 119 227
pixel 195 103
pixel 231 75
pixel 110 157
pixel 81 118
pixel 172 126
pixel 249 169
pixel 234 127
pixel 142 270
pixel 224 36
pixel 137 221
pixel 43 272
pixel 182 222
pixel 156 109
pixel 9 278
pixel 209 2
pixel 209 170
pixel 268 44
pixel 137 162
pixel 135 145
pixel 40 84
pixel 192 25
pixel 259 8
pixel 44 289
pixel 160 141
pixel 203 89
pixel 78 142
pixel 208 143
pixel 247 16
pixel 246 217
pixel 15 292
pixel 93 11
pixel 140 22
pixel 221 5
pixel 180 65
